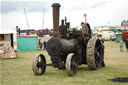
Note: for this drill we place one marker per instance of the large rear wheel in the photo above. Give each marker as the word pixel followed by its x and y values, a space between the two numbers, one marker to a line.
pixel 94 54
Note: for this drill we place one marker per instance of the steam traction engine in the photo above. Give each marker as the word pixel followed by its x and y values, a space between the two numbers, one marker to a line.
pixel 69 48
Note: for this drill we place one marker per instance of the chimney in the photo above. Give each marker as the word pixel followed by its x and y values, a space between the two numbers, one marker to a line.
pixel 55 7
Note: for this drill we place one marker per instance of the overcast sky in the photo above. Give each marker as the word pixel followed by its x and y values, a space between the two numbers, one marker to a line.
pixel 99 12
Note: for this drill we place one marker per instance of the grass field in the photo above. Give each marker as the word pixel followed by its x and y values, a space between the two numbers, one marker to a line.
pixel 19 71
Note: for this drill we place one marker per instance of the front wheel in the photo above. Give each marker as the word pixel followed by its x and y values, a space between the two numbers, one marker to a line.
pixel 39 64
pixel 71 65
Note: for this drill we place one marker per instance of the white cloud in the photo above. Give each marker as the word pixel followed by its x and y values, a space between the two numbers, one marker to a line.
pixel 14 19
pixel 114 13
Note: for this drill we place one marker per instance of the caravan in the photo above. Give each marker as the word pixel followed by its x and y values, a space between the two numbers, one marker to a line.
pixel 108 35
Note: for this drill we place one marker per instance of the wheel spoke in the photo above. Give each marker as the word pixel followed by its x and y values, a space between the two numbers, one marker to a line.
pixel 96 55
pixel 97 64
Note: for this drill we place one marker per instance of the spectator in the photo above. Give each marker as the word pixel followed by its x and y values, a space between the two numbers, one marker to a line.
pixel 126 43
pixel 121 45
pixel 102 43
pixel 45 43
pixel 39 42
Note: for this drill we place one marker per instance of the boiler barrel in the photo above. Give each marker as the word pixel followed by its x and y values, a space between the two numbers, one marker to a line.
pixel 59 46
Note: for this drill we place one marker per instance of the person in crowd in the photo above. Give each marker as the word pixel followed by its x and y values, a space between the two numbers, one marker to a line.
pixel 126 44
pixel 45 43
pixel 39 40
pixel 103 47
pixel 39 43
pixel 121 45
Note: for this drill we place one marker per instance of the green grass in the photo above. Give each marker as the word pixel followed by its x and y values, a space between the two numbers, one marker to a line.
pixel 19 71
